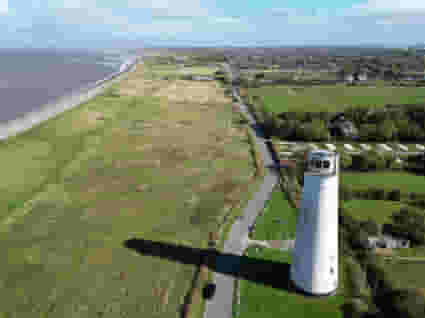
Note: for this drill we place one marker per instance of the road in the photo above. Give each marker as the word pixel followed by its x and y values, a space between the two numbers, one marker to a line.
pixel 221 305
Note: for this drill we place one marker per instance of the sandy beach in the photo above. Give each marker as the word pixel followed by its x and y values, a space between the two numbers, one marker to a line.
pixel 50 110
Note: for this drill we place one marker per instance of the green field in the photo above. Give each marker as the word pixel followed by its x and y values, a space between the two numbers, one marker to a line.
pixel 404 181
pixel 259 300
pixel 406 275
pixel 278 208
pixel 334 98
pixel 199 70
pixel 380 211
pixel 124 165
pixel 418 251
pixel 176 70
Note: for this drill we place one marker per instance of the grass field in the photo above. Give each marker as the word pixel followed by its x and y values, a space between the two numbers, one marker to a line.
pixel 259 300
pixel 404 181
pixel 199 70
pixel 380 211
pixel 334 98
pixel 278 208
pixel 157 160
pixel 418 251
pixel 407 275
pixel 176 70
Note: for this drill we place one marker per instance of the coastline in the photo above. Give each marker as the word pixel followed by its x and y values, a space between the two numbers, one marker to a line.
pixel 67 102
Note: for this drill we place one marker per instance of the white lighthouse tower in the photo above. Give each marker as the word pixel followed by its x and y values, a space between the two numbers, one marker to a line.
pixel 314 268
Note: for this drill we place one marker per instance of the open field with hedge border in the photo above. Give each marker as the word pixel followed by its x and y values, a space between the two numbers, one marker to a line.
pixel 406 274
pixel 334 98
pixel 388 180
pixel 377 210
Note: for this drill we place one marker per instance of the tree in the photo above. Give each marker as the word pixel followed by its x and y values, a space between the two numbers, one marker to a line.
pixel 368 132
pixel 408 223
pixel 370 226
pixel 360 162
pixel 359 239
pixel 377 194
pixel 394 195
pixel 407 303
pixel 259 76
pixel 345 193
pixel 345 160
pixel 386 130
pixel 314 131
pixel 356 277
pixel 376 161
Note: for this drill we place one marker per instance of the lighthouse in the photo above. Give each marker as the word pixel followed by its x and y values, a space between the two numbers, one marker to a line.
pixel 314 268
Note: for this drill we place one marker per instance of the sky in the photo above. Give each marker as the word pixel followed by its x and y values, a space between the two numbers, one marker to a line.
pixel 115 23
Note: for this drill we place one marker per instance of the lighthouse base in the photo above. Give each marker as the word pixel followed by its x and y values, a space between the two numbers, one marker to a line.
pixel 299 290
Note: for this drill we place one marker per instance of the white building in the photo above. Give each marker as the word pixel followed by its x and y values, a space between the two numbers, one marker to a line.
pixel 314 268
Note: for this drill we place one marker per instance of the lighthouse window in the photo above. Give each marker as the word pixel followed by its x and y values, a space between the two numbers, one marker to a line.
pixel 332 270
pixel 326 164
pixel 318 164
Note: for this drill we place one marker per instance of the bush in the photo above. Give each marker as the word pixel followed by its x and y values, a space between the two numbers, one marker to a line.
pixel 346 160
pixel 356 278
pixel 360 163
pixel 405 303
pixel 375 160
pixel 394 195
pixel 413 196
pixel 359 239
pixel 370 227
pixel 419 203
pixel 345 193
pixel 378 194
pixel 409 224
pixel 355 308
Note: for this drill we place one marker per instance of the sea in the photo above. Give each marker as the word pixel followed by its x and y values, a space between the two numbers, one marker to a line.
pixel 32 78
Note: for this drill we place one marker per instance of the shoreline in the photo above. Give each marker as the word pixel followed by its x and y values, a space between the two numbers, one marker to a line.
pixel 50 110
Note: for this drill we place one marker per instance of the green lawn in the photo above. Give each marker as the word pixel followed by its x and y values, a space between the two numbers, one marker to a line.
pixel 258 300
pixel 175 70
pixel 380 211
pixel 278 208
pixel 418 251
pixel 407 275
pixel 334 98
pixel 404 181
pixel 199 70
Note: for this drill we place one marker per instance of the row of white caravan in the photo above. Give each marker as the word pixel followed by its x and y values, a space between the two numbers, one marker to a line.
pixel 348 147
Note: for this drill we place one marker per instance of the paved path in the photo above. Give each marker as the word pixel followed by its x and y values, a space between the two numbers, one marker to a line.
pixel 221 305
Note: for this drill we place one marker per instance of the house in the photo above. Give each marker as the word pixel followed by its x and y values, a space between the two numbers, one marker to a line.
pixel 387 241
